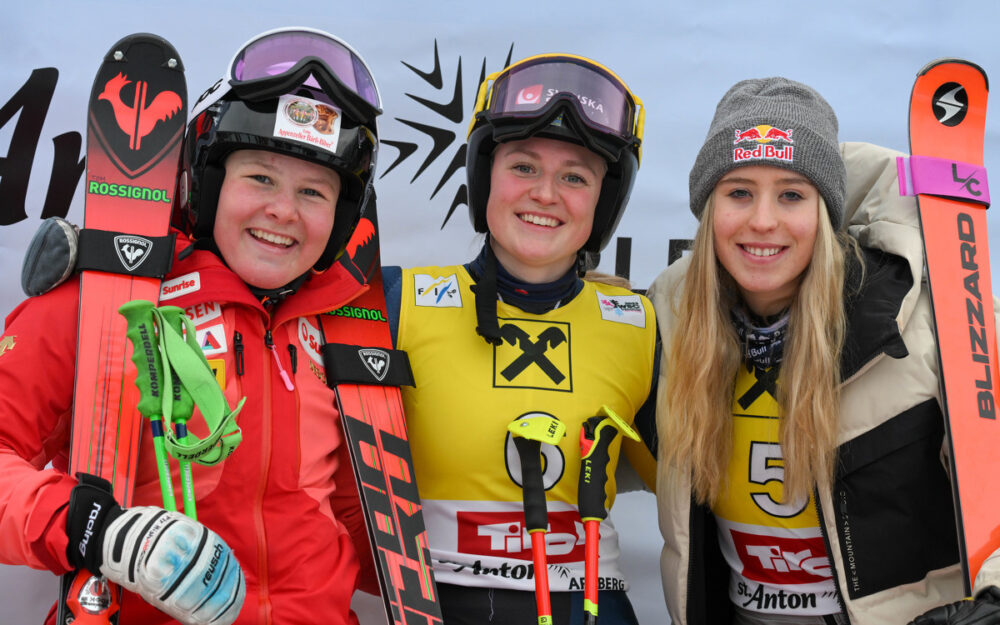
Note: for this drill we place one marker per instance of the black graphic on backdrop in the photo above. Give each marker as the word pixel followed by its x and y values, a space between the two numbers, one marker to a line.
pixel 442 138
pixel 31 105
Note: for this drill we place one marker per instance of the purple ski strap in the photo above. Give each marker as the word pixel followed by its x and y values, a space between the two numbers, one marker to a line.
pixel 943 177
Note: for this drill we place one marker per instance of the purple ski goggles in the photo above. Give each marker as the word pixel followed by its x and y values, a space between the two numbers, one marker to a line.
pixel 276 62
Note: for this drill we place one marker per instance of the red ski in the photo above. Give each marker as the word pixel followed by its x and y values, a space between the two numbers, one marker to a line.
pixel 947 126
pixel 366 374
pixel 136 118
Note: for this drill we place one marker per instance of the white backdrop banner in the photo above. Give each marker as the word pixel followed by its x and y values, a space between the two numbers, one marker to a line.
pixel 428 59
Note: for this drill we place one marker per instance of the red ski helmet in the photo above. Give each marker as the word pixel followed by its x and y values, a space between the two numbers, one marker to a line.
pixel 300 92
pixel 565 97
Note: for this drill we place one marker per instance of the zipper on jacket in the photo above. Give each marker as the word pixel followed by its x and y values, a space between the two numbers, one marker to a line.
pixel 238 348
pixel 269 342
pixel 295 360
pixel 829 552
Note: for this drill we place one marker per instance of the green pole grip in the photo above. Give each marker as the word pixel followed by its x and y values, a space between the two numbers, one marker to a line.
pixel 183 408
pixel 149 379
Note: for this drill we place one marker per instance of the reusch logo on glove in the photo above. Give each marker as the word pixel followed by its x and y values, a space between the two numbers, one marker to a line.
pixel 211 565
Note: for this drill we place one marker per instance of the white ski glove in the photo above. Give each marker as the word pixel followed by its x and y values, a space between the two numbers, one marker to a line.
pixel 175 563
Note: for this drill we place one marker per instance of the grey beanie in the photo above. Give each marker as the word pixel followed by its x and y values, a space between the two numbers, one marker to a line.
pixel 772 121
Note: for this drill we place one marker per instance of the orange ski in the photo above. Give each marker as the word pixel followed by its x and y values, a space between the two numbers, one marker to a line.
pixel 947 126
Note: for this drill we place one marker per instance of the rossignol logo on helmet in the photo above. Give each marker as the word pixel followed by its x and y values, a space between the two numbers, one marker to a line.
pixel 128 191
pixel 132 250
pixel 376 361
pixel 308 121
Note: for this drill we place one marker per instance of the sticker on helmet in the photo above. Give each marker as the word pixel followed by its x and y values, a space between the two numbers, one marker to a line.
pixel 307 121
pixel 530 95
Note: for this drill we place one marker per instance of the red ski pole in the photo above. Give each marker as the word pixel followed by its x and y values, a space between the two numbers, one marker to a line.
pixel 529 433
pixel 596 436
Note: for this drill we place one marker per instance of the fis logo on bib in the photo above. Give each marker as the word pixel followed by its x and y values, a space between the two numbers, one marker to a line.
pixel 622 309
pixel 436 291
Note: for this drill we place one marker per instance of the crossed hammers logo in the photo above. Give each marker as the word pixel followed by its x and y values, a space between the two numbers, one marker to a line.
pixel 534 351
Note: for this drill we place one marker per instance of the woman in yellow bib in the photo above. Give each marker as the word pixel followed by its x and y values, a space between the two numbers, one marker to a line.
pixel 801 478
pixel 516 334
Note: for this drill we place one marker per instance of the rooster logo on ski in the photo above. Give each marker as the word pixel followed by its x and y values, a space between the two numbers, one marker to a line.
pixel 376 361
pixel 137 120
pixel 137 117
pixel 132 250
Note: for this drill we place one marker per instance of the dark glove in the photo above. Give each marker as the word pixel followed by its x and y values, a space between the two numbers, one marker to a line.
pixel 175 563
pixel 92 508
pixel 984 609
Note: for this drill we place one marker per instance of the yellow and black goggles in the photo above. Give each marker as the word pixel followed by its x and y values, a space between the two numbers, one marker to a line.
pixel 521 99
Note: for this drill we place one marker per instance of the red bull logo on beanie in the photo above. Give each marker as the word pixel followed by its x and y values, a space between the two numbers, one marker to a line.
pixel 763 133
pixel 766 143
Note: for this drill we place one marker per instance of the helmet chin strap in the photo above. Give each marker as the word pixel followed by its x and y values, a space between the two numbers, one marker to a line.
pixel 486 299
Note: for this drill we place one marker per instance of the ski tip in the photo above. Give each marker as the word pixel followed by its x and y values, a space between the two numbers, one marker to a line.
pixel 120 50
pixel 945 60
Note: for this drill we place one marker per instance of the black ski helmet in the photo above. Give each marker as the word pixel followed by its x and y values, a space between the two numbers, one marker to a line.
pixel 300 92
pixel 566 97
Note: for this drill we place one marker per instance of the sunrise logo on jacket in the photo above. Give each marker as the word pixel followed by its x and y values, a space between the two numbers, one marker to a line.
pixel 188 283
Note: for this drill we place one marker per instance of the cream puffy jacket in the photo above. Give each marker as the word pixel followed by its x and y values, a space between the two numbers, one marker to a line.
pixel 888 519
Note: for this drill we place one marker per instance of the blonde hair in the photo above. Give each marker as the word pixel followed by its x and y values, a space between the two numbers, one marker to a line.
pixel 694 414
pixel 607 278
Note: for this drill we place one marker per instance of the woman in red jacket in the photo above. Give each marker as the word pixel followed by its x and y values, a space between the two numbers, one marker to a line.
pixel 267 214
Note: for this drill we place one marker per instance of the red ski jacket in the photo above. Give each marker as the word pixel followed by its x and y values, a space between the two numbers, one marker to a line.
pixel 285 500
